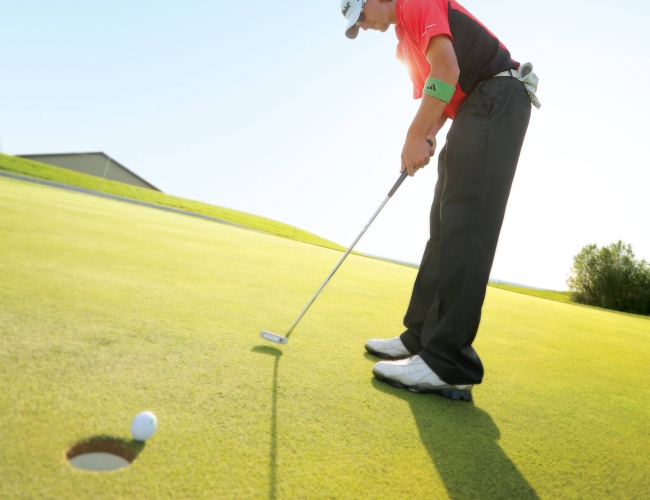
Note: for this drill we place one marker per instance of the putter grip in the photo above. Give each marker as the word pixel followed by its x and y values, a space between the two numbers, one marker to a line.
pixel 398 183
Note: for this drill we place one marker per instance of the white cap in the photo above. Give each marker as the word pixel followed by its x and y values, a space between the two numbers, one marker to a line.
pixel 352 10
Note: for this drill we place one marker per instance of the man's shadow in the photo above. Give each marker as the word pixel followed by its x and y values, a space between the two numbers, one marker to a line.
pixel 462 442
pixel 273 451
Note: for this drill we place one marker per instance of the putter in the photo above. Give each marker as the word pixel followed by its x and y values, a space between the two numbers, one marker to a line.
pixel 279 339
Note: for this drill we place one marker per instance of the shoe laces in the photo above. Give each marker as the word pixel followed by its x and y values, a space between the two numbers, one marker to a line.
pixel 414 359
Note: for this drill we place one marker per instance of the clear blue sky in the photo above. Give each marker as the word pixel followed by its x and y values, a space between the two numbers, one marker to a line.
pixel 266 107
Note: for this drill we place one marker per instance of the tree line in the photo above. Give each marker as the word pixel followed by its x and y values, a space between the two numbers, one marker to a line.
pixel 612 278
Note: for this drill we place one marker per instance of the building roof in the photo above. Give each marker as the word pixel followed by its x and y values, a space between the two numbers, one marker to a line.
pixel 100 153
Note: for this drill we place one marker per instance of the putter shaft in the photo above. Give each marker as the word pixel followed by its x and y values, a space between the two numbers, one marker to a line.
pixel 391 193
pixel 302 313
pixel 278 339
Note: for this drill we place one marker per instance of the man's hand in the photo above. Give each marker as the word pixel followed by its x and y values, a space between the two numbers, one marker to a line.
pixel 432 144
pixel 415 154
pixel 429 119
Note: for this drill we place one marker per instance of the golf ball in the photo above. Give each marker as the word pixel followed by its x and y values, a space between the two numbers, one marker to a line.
pixel 143 426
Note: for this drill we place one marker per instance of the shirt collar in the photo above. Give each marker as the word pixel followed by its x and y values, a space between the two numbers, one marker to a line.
pixel 399 30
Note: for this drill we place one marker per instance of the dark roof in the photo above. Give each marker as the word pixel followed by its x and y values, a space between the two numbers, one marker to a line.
pixel 93 153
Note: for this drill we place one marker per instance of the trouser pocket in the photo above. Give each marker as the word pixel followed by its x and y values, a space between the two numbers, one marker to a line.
pixel 488 93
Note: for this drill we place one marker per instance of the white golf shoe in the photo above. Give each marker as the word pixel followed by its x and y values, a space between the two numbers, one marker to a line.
pixel 416 376
pixel 387 348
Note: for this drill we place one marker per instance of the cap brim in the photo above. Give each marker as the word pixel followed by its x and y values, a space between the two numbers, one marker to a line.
pixel 353 30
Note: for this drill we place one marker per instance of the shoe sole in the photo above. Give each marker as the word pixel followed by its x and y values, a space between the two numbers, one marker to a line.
pixel 445 393
pixel 385 356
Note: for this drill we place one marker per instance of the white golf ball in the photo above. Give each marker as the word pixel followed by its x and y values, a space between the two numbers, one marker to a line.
pixel 143 426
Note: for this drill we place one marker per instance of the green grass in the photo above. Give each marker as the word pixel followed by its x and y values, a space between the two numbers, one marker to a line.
pixel 565 297
pixel 543 294
pixel 47 172
pixel 108 309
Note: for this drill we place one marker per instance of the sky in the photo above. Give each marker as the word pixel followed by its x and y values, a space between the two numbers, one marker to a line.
pixel 266 107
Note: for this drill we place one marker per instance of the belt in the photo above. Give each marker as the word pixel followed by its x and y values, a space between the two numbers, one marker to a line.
pixel 527 76
pixel 509 72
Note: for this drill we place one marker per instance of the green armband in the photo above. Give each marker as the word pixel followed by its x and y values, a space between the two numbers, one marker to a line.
pixel 439 90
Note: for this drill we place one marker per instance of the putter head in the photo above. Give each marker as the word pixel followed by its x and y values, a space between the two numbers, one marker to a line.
pixel 278 339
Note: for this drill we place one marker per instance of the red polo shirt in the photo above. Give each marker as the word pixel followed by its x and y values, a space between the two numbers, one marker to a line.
pixel 480 54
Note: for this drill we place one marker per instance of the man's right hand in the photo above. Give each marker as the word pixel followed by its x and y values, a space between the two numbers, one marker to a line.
pixel 432 145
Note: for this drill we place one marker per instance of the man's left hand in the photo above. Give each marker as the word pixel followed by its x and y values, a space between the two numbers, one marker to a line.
pixel 415 154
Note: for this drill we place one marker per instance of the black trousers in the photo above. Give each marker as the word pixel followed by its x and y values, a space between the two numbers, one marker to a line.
pixel 475 172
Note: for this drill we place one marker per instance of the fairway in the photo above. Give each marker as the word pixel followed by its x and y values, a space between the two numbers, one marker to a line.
pixel 36 170
pixel 108 309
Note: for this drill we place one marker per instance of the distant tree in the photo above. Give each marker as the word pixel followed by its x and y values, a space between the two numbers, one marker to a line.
pixel 611 277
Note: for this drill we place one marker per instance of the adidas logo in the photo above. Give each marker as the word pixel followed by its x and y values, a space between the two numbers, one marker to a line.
pixel 432 87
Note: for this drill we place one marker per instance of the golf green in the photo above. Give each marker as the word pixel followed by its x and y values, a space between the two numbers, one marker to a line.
pixel 108 309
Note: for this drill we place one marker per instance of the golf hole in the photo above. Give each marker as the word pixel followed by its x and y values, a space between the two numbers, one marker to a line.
pixel 101 454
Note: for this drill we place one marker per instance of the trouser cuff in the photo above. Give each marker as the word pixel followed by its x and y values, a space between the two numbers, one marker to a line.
pixel 411 341
pixel 449 373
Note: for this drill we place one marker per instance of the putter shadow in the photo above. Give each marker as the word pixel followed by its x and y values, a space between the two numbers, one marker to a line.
pixel 462 442
pixel 273 449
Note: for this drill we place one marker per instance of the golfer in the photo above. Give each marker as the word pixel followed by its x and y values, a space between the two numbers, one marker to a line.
pixel 462 73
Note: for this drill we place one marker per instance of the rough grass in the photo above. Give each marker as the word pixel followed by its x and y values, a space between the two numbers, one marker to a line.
pixel 543 294
pixel 566 297
pixel 108 309
pixel 65 176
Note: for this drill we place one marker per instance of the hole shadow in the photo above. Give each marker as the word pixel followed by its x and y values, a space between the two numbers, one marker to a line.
pixel 273 447
pixel 461 440
pixel 126 449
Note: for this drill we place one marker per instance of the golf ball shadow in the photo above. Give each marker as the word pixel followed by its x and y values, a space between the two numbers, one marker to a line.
pixel 103 453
